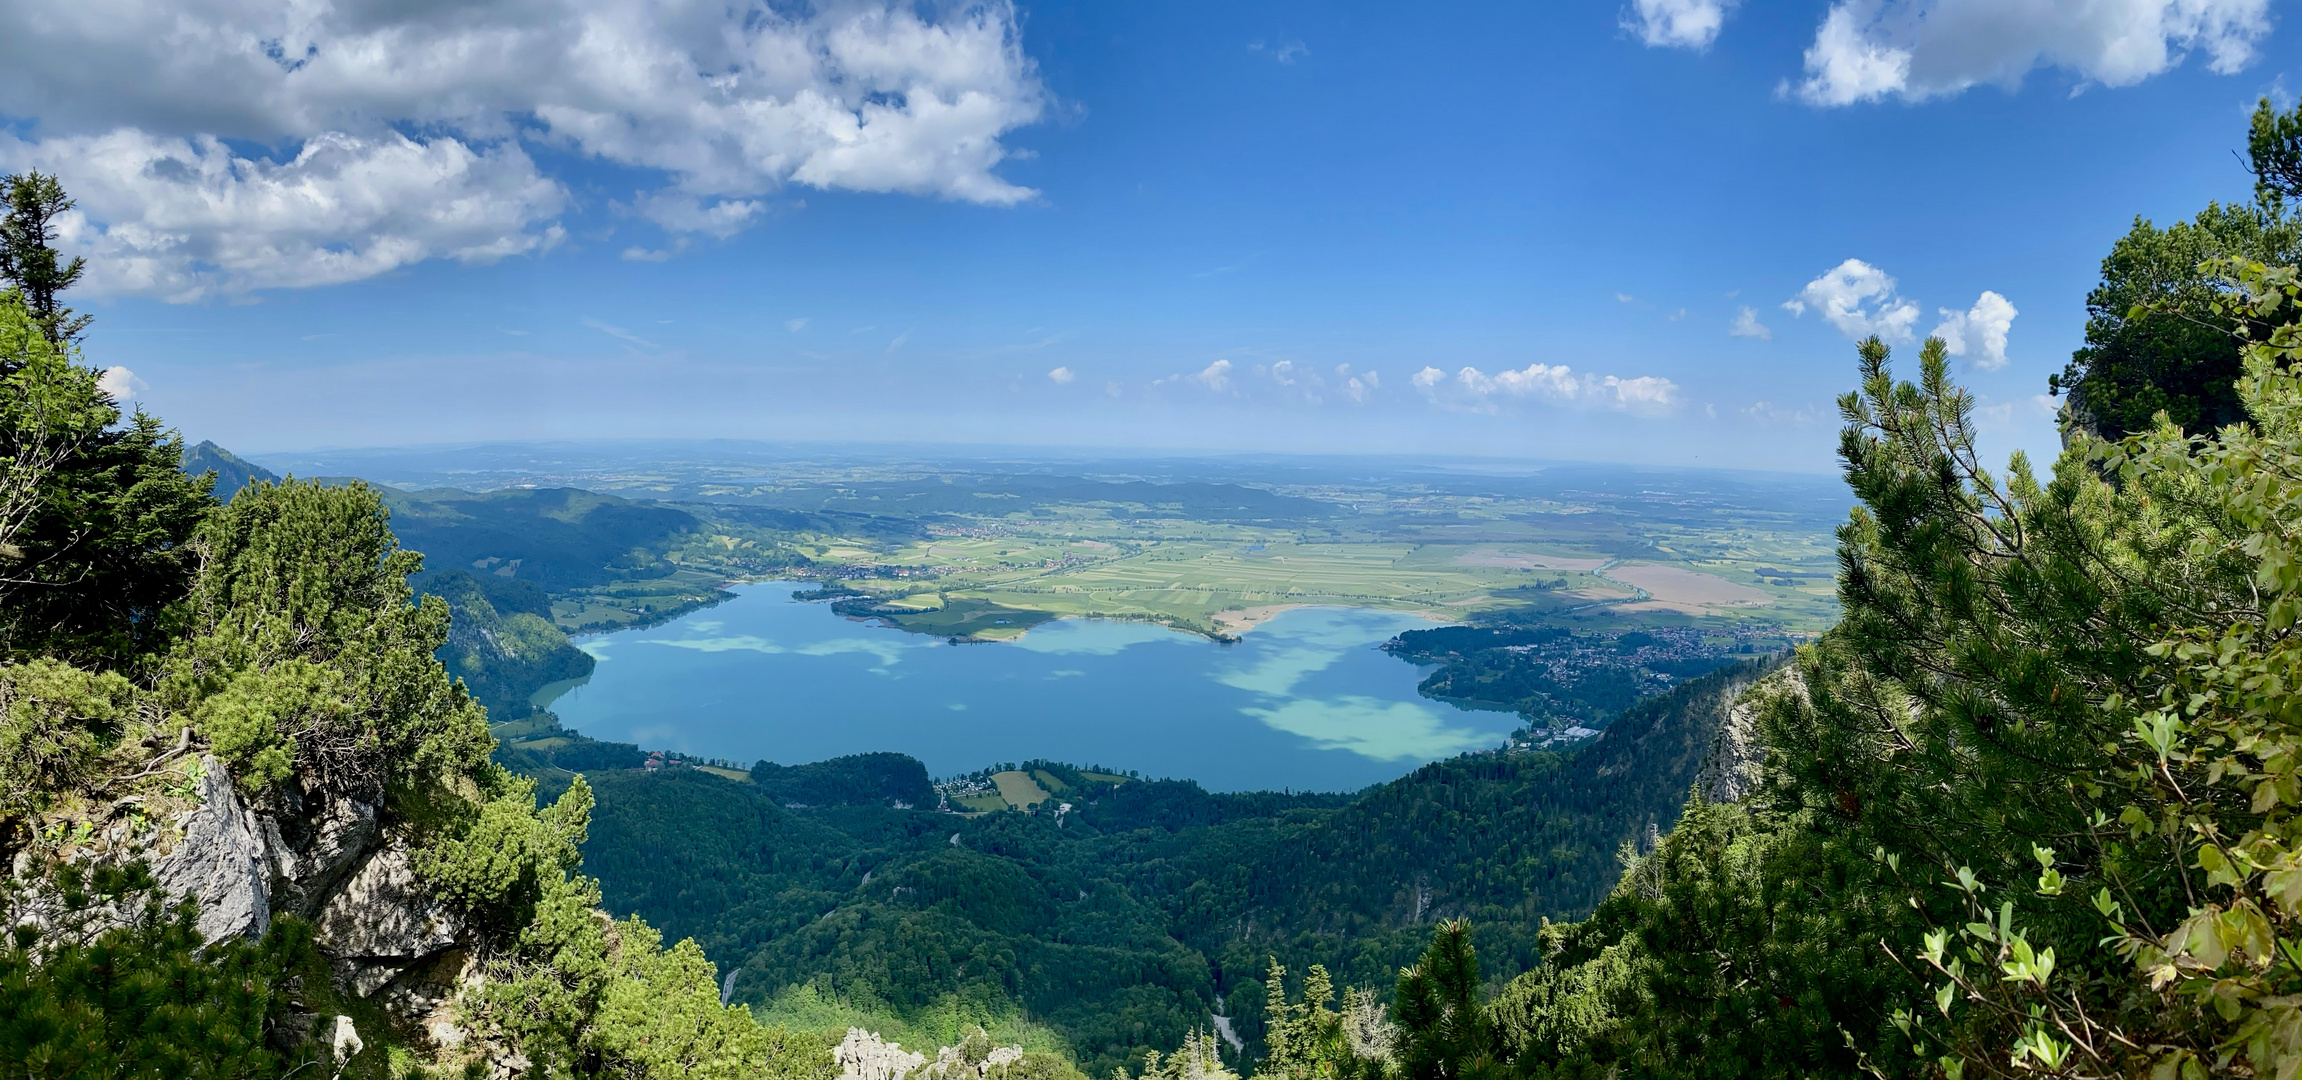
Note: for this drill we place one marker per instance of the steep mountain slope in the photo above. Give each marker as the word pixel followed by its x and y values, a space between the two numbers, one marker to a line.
pixel 233 472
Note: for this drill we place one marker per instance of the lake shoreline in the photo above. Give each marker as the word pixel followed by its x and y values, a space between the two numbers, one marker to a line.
pixel 1307 700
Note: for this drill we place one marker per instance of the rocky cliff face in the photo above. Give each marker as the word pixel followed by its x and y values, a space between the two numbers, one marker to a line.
pixel 219 859
pixel 323 859
pixel 335 867
pixel 1736 761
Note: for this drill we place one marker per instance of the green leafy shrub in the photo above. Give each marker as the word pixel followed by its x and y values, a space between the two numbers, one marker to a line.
pixel 55 723
pixel 301 577
pixel 497 863
pixel 259 718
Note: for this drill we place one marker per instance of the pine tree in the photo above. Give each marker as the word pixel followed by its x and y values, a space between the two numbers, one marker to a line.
pixel 95 514
pixel 1444 1026
pixel 29 262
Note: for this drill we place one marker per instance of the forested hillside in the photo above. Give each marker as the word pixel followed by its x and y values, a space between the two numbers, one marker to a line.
pixel 1122 923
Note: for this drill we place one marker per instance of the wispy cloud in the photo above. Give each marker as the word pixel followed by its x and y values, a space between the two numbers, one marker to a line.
pixel 1062 376
pixel 1746 324
pixel 899 340
pixel 1285 51
pixel 796 325
pixel 1678 24
pixel 621 334
pixel 1015 347
pixel 1773 415
pixel 1554 384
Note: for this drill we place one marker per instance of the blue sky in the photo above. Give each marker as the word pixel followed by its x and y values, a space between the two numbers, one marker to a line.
pixel 1182 226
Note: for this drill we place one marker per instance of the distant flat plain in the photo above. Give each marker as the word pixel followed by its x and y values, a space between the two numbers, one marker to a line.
pixel 992 542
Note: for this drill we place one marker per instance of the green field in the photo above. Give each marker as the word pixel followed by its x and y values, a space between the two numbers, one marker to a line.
pixel 1019 789
pixel 977 555
pixel 1223 588
pixel 994 560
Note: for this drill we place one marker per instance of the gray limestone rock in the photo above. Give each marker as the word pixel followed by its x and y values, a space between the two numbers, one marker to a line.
pixel 382 921
pixel 220 861
pixel 863 1055
pixel 314 845
pixel 1737 758
pixel 344 1041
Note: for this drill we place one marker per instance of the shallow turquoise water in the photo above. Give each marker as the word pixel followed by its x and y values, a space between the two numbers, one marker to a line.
pixel 1306 701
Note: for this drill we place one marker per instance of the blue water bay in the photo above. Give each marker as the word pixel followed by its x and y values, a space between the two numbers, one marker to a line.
pixel 1305 701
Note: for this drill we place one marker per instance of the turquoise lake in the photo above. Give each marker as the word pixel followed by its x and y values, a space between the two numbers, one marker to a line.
pixel 1306 701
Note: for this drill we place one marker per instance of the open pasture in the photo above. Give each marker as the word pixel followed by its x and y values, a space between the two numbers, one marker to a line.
pixel 1526 560
pixel 1190 584
pixel 1224 588
pixel 1688 590
pixel 1019 789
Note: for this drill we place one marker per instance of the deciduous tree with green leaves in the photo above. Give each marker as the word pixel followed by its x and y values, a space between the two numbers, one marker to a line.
pixel 2155 341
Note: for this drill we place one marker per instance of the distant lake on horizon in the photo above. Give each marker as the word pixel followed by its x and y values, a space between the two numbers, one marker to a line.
pixel 1306 701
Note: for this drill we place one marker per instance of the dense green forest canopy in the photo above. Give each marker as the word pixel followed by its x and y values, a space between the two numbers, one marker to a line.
pixel 1123 921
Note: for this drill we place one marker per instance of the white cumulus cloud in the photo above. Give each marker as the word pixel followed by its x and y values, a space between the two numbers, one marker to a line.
pixel 1746 324
pixel 1859 299
pixel 1558 384
pixel 375 133
pixel 1062 375
pixel 1919 49
pixel 118 383
pixel 1980 331
pixel 183 218
pixel 1215 376
pixel 1684 24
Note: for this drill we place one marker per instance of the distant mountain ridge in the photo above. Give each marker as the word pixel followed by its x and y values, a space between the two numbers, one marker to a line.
pixel 233 472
